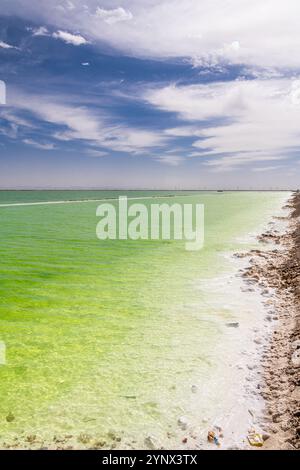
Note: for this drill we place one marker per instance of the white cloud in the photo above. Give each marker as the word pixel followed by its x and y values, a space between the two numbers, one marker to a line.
pixel 236 122
pixel 2 92
pixel 81 123
pixel 181 131
pixel 257 33
pixel 11 116
pixel 95 153
pixel 4 45
pixel 114 16
pixel 69 38
pixel 230 162
pixel 268 168
pixel 70 5
pixel 39 145
pixel 41 31
pixel 172 160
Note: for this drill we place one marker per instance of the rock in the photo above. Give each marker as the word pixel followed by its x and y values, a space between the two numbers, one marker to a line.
pixel 265 436
pixel 218 428
pixel 296 394
pixel 296 344
pixel 287 446
pixel 98 444
pixel 194 388
pixel 182 423
pixel 285 426
pixel 233 324
pixel 247 289
pixel 295 359
pixel 270 428
pixel 277 417
pixel 10 417
pixel 84 438
pixel 150 442
pixel 113 436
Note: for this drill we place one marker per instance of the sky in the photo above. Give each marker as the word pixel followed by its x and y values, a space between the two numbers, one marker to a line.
pixel 170 94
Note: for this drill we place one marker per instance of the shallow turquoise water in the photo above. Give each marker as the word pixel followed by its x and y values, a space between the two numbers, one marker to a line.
pixel 106 335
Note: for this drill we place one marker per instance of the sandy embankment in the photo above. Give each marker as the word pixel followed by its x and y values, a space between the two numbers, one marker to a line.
pixel 278 270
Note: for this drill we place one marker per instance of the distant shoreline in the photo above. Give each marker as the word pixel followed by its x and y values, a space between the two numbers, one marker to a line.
pixel 228 190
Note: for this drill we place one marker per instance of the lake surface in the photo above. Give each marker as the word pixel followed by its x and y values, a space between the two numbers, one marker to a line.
pixel 118 338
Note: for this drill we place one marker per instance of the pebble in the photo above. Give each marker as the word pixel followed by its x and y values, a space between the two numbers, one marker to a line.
pixel 150 442
pixel 233 324
pixel 10 418
pixel 182 423
pixel 296 344
pixel 295 359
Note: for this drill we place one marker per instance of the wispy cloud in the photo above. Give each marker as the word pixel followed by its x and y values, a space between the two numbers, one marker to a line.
pixel 230 162
pixel 95 153
pixel 268 168
pixel 40 31
pixel 172 160
pixel 80 123
pixel 5 45
pixel 39 145
pixel 236 122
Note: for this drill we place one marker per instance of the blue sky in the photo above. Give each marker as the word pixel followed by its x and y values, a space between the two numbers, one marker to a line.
pixel 154 94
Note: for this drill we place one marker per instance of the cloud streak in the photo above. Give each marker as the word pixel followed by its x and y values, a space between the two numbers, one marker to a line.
pixel 79 123
pixel 5 45
pixel 39 145
pixel 236 122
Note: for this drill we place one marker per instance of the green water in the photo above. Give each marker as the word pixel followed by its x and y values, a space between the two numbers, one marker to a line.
pixel 109 335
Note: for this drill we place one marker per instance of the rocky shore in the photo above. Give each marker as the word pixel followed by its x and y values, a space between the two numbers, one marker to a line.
pixel 276 271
